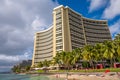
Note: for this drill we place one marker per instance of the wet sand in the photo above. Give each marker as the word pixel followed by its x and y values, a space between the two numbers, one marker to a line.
pixel 90 76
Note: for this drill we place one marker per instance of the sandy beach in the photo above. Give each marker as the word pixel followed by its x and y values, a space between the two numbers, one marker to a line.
pixel 90 76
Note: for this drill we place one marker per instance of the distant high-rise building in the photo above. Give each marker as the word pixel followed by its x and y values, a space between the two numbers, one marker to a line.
pixel 70 30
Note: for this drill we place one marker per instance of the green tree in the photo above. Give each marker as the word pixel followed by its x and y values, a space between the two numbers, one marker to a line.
pixel 99 50
pixel 57 59
pixel 109 51
pixel 40 64
pixel 64 59
pixel 16 69
pixel 117 37
pixel 46 63
pixel 76 55
pixel 117 46
pixel 89 54
pixel 27 68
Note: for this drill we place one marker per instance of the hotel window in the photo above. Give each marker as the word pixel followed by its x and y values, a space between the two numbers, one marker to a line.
pixel 60 28
pixel 60 34
pixel 59 47
pixel 59 23
pixel 58 18
pixel 57 41
pixel 58 12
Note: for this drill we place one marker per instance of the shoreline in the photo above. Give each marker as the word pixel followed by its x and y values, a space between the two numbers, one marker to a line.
pixel 82 75
pixel 95 76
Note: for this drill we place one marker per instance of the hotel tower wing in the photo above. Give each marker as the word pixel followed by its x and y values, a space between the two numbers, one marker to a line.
pixel 70 30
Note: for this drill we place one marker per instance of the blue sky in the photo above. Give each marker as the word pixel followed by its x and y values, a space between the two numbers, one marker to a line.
pixel 97 9
pixel 20 19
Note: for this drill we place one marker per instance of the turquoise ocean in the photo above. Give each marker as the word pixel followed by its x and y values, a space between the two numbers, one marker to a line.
pixel 26 77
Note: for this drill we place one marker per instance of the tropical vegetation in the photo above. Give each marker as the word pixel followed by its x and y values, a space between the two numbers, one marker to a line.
pixel 19 69
pixel 107 52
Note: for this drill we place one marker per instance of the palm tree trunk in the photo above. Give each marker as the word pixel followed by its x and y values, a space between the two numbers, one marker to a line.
pixel 111 63
pixel 114 61
pixel 91 63
pixel 103 63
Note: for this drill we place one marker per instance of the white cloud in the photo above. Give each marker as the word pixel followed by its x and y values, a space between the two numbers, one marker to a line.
pixel 115 28
pixel 112 10
pixel 8 58
pixel 15 58
pixel 38 24
pixel 18 23
pixel 96 4
pixel 7 61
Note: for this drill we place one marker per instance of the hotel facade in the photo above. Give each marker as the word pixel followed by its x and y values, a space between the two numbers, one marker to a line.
pixel 69 30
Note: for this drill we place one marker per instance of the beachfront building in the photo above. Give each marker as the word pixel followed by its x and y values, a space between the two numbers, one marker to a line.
pixel 25 63
pixel 69 30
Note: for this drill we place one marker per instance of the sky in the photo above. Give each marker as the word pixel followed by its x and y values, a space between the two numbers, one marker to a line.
pixel 20 19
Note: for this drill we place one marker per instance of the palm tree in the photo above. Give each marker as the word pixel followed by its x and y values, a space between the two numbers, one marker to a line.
pixel 89 54
pixel 66 59
pixel 76 55
pixel 109 51
pixel 117 41
pixel 57 59
pixel 27 68
pixel 46 63
pixel 117 37
pixel 16 69
pixel 99 50
pixel 40 64
pixel 117 45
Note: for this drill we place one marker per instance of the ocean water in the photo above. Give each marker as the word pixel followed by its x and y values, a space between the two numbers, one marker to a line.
pixel 26 77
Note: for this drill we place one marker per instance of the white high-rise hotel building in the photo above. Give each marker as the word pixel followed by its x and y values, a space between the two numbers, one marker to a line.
pixel 70 30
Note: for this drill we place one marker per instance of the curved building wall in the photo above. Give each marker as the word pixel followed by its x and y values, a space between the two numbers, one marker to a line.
pixel 96 31
pixel 70 30
pixel 43 46
pixel 59 31
pixel 76 29
pixel 85 31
